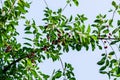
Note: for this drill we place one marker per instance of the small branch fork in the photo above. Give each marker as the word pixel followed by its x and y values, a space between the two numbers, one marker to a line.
pixel 6 68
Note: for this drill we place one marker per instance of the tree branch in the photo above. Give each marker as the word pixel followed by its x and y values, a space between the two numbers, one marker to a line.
pixel 45 3
pixel 6 68
pixel 109 38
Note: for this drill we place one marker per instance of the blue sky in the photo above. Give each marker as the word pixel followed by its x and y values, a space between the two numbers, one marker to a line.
pixel 84 62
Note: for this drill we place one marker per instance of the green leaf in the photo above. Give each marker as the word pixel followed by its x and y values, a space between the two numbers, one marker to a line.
pixel 28 39
pixel 70 18
pixel 78 47
pixel 112 53
pixel 100 47
pixel 115 30
pixel 113 42
pixel 28 44
pixel 118 22
pixel 103 72
pixel 27 28
pixel 59 10
pixel 58 74
pixel 118 72
pixel 88 29
pixel 106 31
pixel 76 2
pixel 28 32
pixel 34 73
pixel 103 68
pixel 110 21
pixel 102 61
pixel 97 21
pixel 72 78
pixel 114 4
pixel 107 63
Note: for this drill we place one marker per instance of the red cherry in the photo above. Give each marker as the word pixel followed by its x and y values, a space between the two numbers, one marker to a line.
pixel 110 34
pixel 105 47
pixel 58 41
pixel 59 35
pixel 109 37
pixel 107 26
pixel 44 48
pixel 104 41
pixel 32 54
pixel 33 61
pixel 8 49
pixel 54 42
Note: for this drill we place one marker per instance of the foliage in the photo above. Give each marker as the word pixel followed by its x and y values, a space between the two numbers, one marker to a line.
pixel 60 34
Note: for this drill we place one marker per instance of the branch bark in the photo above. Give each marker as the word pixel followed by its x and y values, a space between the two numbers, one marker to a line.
pixel 6 68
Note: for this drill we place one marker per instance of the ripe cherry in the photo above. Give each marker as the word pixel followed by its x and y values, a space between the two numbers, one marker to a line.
pixel 32 54
pixel 104 41
pixel 44 48
pixel 107 26
pixel 58 40
pixel 8 49
pixel 110 34
pixel 54 42
pixel 59 35
pixel 109 37
pixel 105 47
pixel 33 61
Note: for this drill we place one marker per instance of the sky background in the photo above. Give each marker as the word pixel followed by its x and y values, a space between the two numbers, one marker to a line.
pixel 84 62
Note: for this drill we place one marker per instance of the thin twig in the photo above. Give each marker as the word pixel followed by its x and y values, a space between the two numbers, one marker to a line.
pixel 104 48
pixel 45 3
pixel 62 67
pixel 65 6
pixel 106 55
pixel 6 68
pixel 113 14
pixel 112 49
pixel 1 3
pixel 108 38
pixel 62 64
